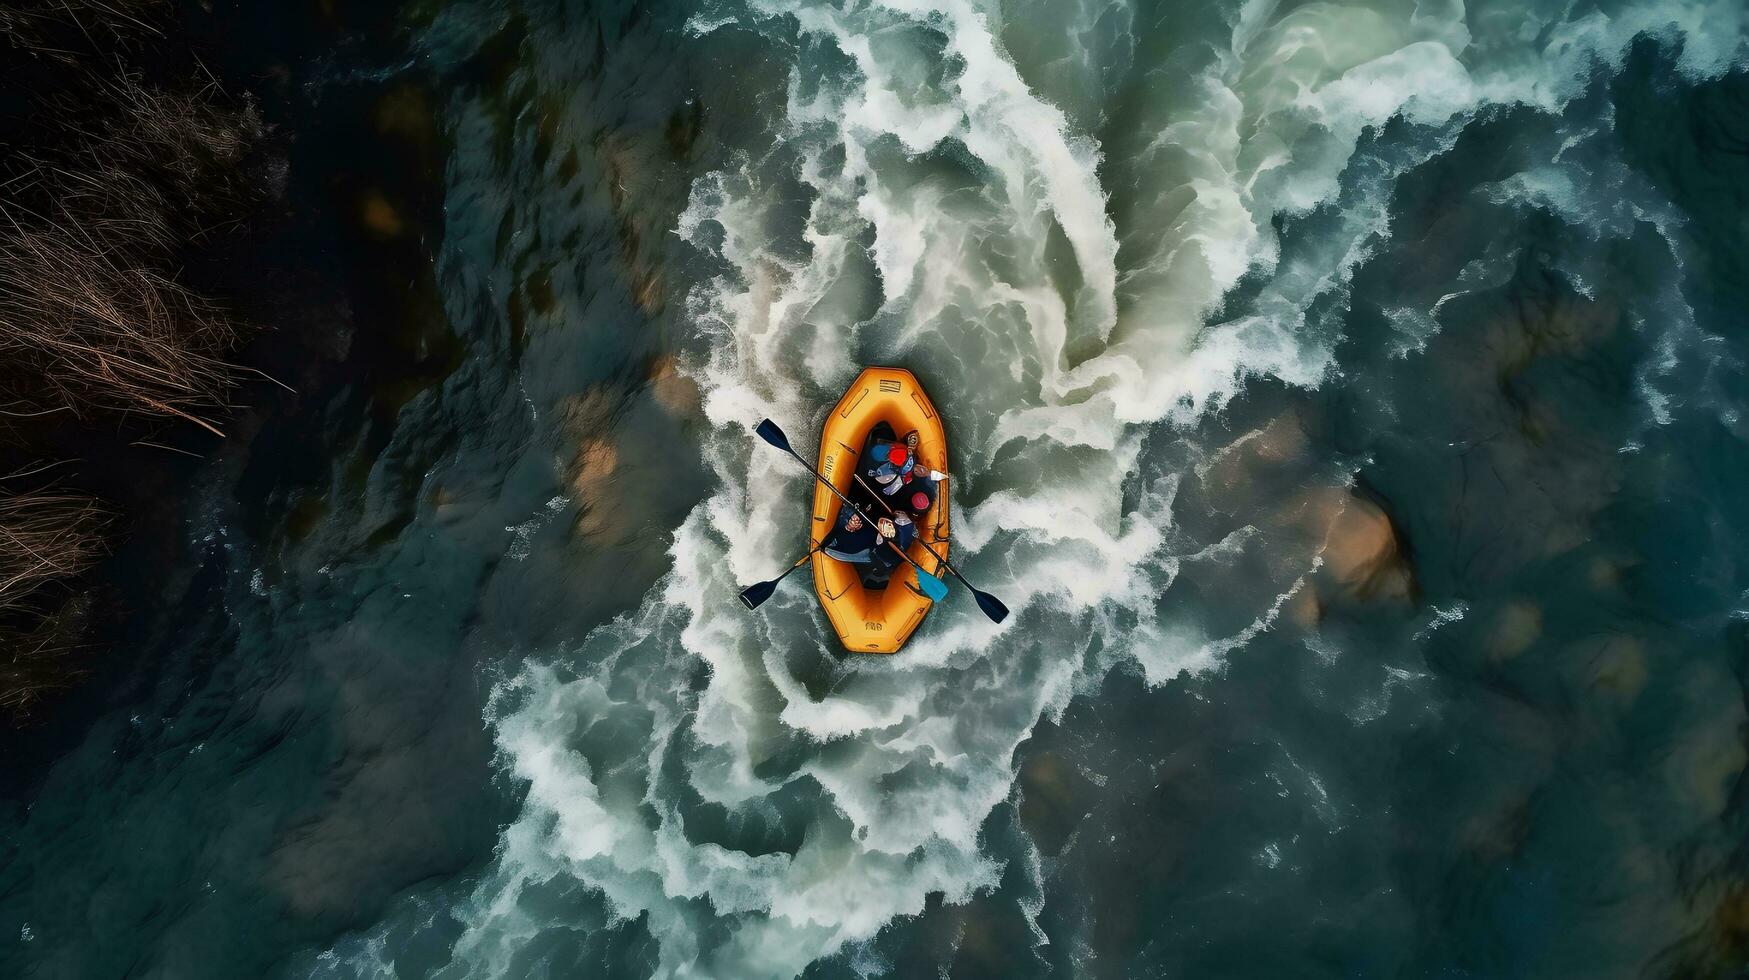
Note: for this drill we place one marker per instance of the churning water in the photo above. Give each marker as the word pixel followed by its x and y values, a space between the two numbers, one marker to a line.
pixel 1345 397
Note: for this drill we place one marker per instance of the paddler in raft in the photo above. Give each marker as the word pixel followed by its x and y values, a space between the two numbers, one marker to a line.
pixel 855 542
pixel 893 471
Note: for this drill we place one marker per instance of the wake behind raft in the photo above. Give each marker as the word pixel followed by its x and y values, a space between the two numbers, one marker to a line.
pixel 872 611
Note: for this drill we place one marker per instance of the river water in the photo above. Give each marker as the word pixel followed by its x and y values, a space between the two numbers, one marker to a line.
pixel 1347 399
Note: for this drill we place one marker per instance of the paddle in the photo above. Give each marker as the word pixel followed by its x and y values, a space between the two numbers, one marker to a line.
pixel 932 587
pixel 754 595
pixel 991 605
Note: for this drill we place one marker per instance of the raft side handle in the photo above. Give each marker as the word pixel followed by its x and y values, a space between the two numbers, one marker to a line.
pixel 844 413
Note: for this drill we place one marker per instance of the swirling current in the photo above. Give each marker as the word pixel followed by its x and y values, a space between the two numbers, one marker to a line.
pixel 1346 398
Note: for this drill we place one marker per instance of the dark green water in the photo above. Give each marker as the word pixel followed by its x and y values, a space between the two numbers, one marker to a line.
pixel 1347 399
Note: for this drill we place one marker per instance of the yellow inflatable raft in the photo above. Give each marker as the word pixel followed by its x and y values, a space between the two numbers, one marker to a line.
pixel 869 620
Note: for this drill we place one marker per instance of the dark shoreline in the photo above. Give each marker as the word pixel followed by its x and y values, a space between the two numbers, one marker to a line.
pixel 298 271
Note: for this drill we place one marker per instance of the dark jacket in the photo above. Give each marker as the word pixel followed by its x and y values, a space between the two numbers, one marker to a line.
pixel 856 547
pixel 925 486
pixel 863 545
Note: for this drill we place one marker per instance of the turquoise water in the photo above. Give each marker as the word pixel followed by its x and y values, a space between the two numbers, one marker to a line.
pixel 1345 398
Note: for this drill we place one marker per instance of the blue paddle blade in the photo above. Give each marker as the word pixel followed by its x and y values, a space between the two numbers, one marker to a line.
pixel 991 605
pixel 769 431
pixel 753 595
pixel 932 587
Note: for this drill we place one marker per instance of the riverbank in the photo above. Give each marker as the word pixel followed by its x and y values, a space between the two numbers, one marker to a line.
pixel 233 244
pixel 125 161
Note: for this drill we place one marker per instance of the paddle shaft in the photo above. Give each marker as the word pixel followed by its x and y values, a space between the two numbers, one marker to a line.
pixel 855 510
pixel 753 596
pixel 799 562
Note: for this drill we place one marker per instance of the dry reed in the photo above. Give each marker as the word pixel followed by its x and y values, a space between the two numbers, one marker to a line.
pixel 85 327
pixel 172 151
pixel 47 538
pixel 54 28
pixel 104 186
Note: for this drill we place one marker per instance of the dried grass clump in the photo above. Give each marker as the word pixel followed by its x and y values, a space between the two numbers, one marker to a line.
pixel 125 158
pixel 92 318
pixel 47 537
pixel 86 327
pixel 54 28
pixel 34 664
pixel 179 147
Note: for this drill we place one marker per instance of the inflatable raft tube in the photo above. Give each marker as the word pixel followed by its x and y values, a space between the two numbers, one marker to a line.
pixel 877 620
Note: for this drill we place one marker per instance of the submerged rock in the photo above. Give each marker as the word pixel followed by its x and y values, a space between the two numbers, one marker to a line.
pixel 1052 794
pixel 674 391
pixel 1516 628
pixel 379 215
pixel 1360 556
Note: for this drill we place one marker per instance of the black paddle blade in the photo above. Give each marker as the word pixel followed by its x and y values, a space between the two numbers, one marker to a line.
pixel 753 595
pixel 769 431
pixel 991 605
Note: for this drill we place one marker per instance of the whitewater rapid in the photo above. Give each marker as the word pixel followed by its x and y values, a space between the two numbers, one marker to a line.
pixel 1041 211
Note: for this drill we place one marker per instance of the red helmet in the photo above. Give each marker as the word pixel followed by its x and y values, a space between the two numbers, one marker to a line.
pixel 919 501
